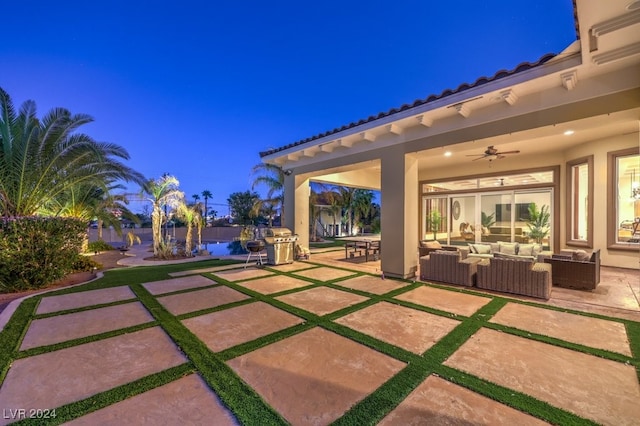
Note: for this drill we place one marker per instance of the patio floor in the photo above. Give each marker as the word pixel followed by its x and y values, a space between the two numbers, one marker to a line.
pixel 314 342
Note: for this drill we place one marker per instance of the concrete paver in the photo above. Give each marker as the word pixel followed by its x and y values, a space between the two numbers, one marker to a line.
pixel 321 300
pixel 56 378
pixel 47 331
pixel 185 401
pixel 274 284
pixel 439 402
pixel 445 300
pixel 243 274
pixel 290 267
pixel 324 273
pixel 177 284
pixel 599 389
pixel 371 284
pixel 410 329
pixel 196 300
pixel 593 332
pixel 320 376
pixel 230 327
pixel 202 270
pixel 83 299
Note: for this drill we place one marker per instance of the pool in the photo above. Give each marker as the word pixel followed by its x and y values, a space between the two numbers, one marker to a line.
pixel 225 248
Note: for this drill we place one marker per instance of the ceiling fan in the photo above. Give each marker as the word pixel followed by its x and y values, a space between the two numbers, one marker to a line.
pixel 492 154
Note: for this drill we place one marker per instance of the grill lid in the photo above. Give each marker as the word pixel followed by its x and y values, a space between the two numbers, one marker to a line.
pixel 277 232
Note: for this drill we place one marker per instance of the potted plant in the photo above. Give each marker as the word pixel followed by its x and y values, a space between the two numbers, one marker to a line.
pixel 433 222
pixel 538 222
pixel 487 221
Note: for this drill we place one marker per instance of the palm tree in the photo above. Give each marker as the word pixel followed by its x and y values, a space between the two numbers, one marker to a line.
pixel 88 201
pixel 272 176
pixel 195 197
pixel 362 199
pixel 347 196
pixel 191 216
pixel 206 194
pixel 161 192
pixel 42 159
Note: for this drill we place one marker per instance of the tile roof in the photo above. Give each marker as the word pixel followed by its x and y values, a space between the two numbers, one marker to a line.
pixel 448 92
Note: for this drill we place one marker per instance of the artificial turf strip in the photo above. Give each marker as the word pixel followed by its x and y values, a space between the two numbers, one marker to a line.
pixel 375 406
pixel 242 400
pixel 84 308
pixel 633 332
pixel 82 340
pixel 80 408
pixel 141 274
pixel 512 398
pixel 602 353
pixel 13 333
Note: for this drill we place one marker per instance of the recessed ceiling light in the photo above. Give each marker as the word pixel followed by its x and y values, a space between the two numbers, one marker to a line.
pixel 447 154
pixel 568 132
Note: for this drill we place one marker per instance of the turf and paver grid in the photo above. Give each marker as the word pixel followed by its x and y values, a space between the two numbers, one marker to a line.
pixel 311 344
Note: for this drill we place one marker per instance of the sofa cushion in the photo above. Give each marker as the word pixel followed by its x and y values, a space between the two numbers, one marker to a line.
pixel 448 253
pixel 526 250
pixel 581 255
pixel 514 257
pixel 480 248
pixel 508 248
pixel 433 244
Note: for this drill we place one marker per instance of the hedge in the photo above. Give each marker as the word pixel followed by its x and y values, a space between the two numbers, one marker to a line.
pixel 36 251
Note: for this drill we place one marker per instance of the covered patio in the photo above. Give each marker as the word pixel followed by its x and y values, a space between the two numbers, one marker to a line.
pixel 561 131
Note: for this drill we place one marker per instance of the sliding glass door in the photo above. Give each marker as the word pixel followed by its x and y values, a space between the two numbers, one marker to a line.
pixel 522 216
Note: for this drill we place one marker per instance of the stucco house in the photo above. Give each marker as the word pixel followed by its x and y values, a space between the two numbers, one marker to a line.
pixel 561 133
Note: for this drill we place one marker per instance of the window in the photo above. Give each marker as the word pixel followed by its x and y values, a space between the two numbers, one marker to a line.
pixel 623 196
pixel 579 218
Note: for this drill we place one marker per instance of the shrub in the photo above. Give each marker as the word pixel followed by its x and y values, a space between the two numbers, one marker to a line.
pixel 36 251
pixel 84 264
pixel 98 246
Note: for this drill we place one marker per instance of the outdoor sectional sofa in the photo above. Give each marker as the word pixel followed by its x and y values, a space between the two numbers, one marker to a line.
pixel 448 267
pixel 518 276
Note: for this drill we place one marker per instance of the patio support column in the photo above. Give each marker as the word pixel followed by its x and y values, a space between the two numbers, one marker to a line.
pixel 399 214
pixel 296 207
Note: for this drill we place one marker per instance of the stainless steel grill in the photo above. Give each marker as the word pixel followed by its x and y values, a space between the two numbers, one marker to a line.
pixel 280 245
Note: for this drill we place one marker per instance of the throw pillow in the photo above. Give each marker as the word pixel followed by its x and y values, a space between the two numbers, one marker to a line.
pixel 581 255
pixel 472 249
pixel 433 244
pixel 508 248
pixel 482 248
pixel 525 250
pixel 537 249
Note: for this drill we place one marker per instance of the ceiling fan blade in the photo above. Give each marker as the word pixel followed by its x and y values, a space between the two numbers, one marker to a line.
pixel 508 152
pixel 479 158
pixel 476 155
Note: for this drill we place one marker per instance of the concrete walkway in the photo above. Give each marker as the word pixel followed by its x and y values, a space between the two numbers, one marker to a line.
pixel 80 348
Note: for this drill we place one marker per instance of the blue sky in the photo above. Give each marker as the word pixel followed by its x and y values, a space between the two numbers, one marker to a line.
pixel 198 88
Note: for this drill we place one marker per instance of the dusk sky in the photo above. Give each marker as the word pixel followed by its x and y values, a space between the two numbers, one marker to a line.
pixel 198 88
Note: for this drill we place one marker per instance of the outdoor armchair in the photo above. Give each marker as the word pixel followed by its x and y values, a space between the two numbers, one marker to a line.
pixel 574 273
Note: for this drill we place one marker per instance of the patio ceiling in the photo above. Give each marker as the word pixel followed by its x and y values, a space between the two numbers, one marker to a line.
pixel 591 88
